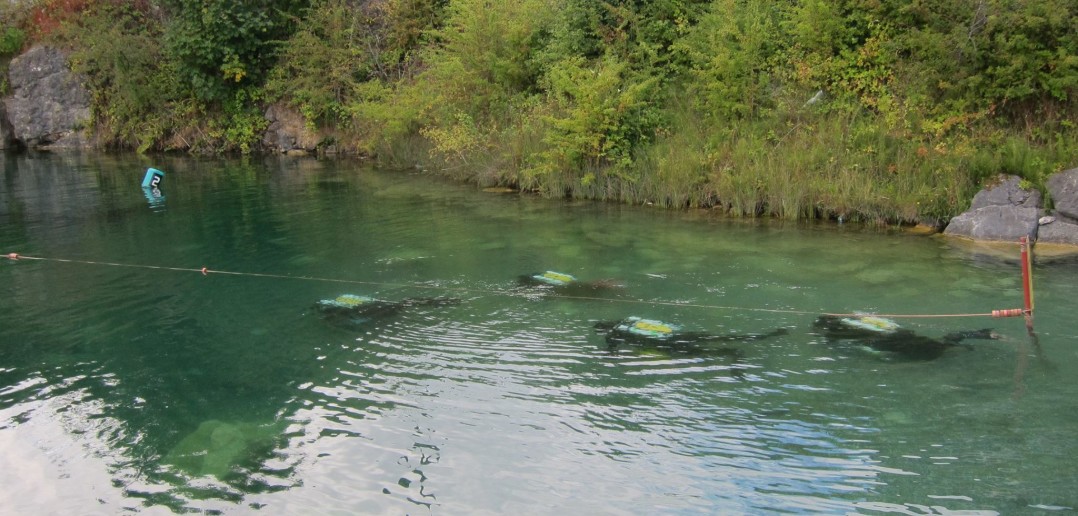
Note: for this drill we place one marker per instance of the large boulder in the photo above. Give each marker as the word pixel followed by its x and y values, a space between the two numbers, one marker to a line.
pixel 1008 192
pixel 1059 231
pixel 1004 211
pixel 1062 226
pixel 1063 189
pixel 995 222
pixel 49 106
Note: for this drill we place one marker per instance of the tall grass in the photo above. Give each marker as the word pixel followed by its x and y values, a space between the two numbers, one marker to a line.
pixel 832 165
pixel 827 164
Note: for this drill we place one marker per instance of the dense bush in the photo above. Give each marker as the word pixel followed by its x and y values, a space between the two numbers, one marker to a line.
pixel 116 47
pixel 887 110
pixel 225 45
pixel 12 39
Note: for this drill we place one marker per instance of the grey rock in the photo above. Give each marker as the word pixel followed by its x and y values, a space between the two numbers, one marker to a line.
pixel 49 106
pixel 1002 212
pixel 287 131
pixel 1062 231
pixel 1007 193
pixel 995 222
pixel 1063 189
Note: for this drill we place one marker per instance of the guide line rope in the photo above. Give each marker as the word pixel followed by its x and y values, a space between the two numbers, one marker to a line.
pixel 205 271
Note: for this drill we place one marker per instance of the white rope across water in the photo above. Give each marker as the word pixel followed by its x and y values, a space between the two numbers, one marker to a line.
pixel 205 271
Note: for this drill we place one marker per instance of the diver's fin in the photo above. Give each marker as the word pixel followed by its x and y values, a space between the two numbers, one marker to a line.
pixel 431 301
pixel 750 336
pixel 958 336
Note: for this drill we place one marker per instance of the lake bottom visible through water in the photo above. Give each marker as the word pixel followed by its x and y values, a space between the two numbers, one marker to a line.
pixel 132 382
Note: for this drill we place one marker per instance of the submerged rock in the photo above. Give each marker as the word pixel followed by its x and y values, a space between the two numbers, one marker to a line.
pixel 217 448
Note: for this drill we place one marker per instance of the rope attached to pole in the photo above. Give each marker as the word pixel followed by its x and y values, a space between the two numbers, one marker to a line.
pixel 205 271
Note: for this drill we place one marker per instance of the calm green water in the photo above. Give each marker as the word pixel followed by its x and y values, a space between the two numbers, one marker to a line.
pixel 159 390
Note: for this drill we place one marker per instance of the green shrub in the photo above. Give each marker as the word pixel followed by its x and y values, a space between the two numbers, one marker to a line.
pixel 322 63
pixel 224 45
pixel 11 40
pixel 132 81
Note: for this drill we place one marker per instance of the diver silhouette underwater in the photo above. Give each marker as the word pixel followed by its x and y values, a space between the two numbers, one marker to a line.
pixel 885 336
pixel 650 334
pixel 355 310
pixel 637 331
pixel 881 335
pixel 567 284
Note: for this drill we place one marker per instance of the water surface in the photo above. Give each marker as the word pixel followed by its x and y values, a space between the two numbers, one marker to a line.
pixel 155 388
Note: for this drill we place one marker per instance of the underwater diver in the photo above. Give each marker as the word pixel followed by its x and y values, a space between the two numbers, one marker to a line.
pixel 885 336
pixel 567 284
pixel 651 333
pixel 352 310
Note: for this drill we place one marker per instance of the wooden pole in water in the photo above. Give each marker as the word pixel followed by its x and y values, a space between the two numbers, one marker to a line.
pixel 1027 288
pixel 1027 282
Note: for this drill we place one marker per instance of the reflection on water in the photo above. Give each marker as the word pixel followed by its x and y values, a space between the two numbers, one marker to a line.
pixel 157 389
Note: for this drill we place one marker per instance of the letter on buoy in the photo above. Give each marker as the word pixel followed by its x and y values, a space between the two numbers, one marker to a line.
pixel 153 178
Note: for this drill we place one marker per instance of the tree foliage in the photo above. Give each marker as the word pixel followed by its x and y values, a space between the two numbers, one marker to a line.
pixel 324 61
pixel 699 102
pixel 11 40
pixel 602 113
pixel 731 54
pixel 224 45
pixel 480 69
pixel 483 55
pixel 117 49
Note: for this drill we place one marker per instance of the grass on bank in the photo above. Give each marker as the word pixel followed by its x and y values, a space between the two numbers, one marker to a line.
pixel 817 165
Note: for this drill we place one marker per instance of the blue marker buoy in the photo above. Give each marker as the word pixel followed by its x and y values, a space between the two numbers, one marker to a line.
pixel 151 186
pixel 153 178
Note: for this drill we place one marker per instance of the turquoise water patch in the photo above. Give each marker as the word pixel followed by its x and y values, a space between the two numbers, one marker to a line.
pixel 165 388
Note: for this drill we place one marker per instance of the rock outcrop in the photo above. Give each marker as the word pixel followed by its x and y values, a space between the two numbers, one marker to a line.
pixel 7 136
pixel 1060 231
pixel 1063 190
pixel 288 133
pixel 996 223
pixel 1008 192
pixel 49 106
pixel 1006 212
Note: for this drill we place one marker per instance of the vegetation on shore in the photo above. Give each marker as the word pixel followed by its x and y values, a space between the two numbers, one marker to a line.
pixel 881 110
